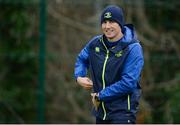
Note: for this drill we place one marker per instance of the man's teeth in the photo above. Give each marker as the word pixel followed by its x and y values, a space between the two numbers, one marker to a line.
pixel 109 30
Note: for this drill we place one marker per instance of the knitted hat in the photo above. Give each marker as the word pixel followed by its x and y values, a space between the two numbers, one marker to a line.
pixel 114 13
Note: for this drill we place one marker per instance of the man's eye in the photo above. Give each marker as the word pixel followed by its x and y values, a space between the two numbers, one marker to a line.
pixel 105 21
pixel 111 21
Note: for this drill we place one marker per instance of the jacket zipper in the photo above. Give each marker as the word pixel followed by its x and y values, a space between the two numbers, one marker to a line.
pixel 104 84
pixel 103 79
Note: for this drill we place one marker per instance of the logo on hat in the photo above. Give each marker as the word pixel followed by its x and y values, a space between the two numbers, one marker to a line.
pixel 108 15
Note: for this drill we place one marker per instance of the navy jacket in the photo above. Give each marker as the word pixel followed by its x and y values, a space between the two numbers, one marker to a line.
pixel 115 73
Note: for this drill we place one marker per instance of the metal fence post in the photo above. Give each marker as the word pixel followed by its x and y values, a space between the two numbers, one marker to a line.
pixel 41 86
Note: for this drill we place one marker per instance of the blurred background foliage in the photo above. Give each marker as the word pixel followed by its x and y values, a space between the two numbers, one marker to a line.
pixel 69 25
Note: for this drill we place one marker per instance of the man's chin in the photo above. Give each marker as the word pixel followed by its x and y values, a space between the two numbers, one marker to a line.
pixel 109 37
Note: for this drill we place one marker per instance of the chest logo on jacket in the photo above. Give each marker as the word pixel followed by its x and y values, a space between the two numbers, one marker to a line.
pixel 97 49
pixel 119 54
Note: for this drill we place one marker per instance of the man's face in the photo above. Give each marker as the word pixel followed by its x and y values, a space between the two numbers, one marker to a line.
pixel 112 30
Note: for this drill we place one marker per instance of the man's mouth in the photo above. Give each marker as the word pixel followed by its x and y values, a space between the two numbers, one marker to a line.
pixel 109 31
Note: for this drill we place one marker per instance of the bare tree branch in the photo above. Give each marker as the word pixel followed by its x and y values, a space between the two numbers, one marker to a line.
pixel 71 23
pixel 142 19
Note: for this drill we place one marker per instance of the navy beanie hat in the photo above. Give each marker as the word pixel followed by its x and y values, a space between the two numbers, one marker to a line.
pixel 114 13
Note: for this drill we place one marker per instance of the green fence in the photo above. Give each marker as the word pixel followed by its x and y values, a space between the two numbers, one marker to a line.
pixel 18 16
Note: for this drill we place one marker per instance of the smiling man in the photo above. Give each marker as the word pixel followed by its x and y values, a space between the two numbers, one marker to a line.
pixel 115 61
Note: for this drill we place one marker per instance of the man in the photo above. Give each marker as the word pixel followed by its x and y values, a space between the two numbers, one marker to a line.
pixel 115 60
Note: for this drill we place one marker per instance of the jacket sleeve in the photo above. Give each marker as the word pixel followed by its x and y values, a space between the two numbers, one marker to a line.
pixel 82 60
pixel 82 63
pixel 129 77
